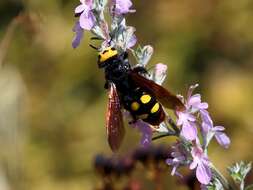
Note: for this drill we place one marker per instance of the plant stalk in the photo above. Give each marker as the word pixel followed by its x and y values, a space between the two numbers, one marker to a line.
pixel 221 178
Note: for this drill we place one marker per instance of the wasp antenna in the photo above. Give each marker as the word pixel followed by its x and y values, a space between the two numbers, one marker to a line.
pixel 95 38
pixel 150 68
pixel 93 47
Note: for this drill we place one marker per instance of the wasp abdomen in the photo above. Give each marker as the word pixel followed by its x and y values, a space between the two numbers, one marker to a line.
pixel 144 106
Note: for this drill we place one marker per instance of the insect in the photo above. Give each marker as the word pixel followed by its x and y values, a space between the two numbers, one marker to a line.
pixel 129 89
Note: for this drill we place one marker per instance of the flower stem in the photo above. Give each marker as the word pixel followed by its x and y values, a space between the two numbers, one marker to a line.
pixel 221 178
pixel 162 135
pixel 174 126
pixel 249 187
pixel 242 185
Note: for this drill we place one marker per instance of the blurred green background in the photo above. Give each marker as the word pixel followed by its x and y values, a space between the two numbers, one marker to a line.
pixel 52 101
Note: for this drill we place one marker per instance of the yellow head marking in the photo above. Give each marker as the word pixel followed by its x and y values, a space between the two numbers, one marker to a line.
pixel 155 108
pixel 135 106
pixel 145 98
pixel 107 54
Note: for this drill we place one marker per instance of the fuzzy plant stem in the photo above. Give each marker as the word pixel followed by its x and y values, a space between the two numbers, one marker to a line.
pixel 242 185
pixel 162 135
pixel 249 187
pixel 221 178
pixel 175 132
pixel 216 172
pixel 174 126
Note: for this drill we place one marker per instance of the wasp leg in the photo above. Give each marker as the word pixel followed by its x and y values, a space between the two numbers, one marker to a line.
pixel 95 38
pixel 106 86
pixel 132 122
pixel 140 69
pixel 154 127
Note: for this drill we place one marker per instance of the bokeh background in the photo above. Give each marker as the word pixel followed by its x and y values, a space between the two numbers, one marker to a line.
pixel 52 101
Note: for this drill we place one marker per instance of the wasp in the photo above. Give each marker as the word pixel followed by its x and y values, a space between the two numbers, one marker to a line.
pixel 129 89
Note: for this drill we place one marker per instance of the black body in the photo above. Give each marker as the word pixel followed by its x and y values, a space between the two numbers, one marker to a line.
pixel 118 71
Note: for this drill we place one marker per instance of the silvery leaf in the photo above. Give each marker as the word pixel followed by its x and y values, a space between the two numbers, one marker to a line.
pixel 116 20
pixel 214 185
pixel 143 55
pixel 96 30
pixel 123 36
pixel 99 5
pixel 162 128
pixel 239 171
pixel 158 74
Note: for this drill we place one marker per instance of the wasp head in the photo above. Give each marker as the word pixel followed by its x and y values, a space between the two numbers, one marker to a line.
pixel 106 55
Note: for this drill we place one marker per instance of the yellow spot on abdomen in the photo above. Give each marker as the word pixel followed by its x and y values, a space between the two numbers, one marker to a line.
pixel 135 106
pixel 155 108
pixel 145 98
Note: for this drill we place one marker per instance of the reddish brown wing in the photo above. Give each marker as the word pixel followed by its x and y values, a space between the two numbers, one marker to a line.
pixel 166 98
pixel 114 122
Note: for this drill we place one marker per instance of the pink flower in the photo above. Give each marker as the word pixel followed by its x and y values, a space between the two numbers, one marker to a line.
pixel 146 132
pixel 122 6
pixel 143 127
pixel 208 130
pixel 178 158
pixel 189 131
pixel 131 42
pixel 221 137
pixel 84 10
pixel 187 118
pixel 159 73
pixel 201 163
pixel 194 102
pixel 79 35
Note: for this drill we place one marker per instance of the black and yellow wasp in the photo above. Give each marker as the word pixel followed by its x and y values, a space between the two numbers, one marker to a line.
pixel 129 89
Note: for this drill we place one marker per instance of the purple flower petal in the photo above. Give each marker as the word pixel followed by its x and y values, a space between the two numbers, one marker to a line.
pixel 80 8
pixel 189 131
pixel 131 42
pixel 123 6
pixel 87 21
pixel 205 127
pixel 79 35
pixel 161 69
pixel 222 139
pixel 159 73
pixel 169 161
pixel 218 128
pixel 203 173
pixel 203 105
pixel 206 118
pixel 146 131
pixel 203 187
pixel 184 117
pixel 194 100
pixel 193 165
pixel 88 2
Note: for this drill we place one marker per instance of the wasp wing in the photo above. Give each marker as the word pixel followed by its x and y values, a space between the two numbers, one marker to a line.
pixel 114 121
pixel 166 98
